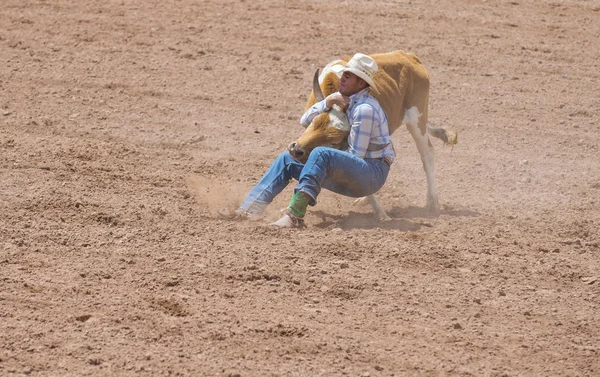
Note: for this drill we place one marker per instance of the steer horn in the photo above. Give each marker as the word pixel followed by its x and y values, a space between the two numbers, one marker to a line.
pixel 317 88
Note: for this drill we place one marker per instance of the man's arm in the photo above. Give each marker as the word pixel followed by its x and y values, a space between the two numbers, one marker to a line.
pixel 320 107
pixel 312 112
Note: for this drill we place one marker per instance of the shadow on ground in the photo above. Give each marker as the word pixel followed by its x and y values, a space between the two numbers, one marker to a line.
pixel 421 212
pixel 407 219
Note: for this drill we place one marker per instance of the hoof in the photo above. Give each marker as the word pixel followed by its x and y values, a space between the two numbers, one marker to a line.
pixel 383 217
pixel 433 210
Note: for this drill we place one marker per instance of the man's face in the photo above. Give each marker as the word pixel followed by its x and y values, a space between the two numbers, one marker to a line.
pixel 351 84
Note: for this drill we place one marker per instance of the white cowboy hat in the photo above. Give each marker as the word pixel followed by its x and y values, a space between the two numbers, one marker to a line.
pixel 362 66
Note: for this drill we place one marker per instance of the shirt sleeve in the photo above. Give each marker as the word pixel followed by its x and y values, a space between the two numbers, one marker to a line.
pixel 361 129
pixel 312 112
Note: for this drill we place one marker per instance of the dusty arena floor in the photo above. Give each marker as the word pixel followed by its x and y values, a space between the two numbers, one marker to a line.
pixel 125 125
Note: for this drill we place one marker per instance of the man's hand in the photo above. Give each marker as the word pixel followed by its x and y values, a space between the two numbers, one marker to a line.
pixel 337 98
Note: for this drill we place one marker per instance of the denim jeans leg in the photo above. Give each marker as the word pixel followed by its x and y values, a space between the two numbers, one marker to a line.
pixel 277 177
pixel 342 173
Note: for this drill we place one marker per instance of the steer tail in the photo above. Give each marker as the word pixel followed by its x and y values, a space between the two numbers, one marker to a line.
pixel 448 137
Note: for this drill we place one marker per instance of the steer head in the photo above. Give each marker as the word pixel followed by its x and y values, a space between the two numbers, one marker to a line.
pixel 327 129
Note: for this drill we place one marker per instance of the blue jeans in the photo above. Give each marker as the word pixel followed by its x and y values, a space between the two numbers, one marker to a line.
pixel 335 170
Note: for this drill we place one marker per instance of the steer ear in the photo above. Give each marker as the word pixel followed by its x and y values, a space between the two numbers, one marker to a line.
pixel 316 87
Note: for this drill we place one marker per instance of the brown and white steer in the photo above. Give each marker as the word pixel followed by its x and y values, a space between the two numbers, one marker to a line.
pixel 403 92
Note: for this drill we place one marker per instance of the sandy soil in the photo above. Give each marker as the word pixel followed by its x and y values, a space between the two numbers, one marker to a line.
pixel 125 124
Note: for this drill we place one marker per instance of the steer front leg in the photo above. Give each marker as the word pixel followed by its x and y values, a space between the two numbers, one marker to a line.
pixel 379 211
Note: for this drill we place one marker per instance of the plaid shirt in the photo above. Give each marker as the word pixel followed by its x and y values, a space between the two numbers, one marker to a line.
pixel 368 125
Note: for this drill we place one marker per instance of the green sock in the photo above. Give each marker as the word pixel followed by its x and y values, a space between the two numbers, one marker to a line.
pixel 298 204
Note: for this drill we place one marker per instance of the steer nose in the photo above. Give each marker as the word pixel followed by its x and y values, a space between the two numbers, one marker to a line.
pixel 296 152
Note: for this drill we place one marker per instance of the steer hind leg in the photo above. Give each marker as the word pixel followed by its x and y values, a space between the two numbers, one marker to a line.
pixel 418 130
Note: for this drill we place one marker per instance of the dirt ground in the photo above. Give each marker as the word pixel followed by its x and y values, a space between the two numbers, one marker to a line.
pixel 124 126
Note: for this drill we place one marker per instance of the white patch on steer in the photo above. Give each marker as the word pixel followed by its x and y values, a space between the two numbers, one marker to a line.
pixel 339 119
pixel 411 116
pixel 335 66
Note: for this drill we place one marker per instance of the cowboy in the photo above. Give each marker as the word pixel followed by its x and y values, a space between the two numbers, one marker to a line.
pixel 356 172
